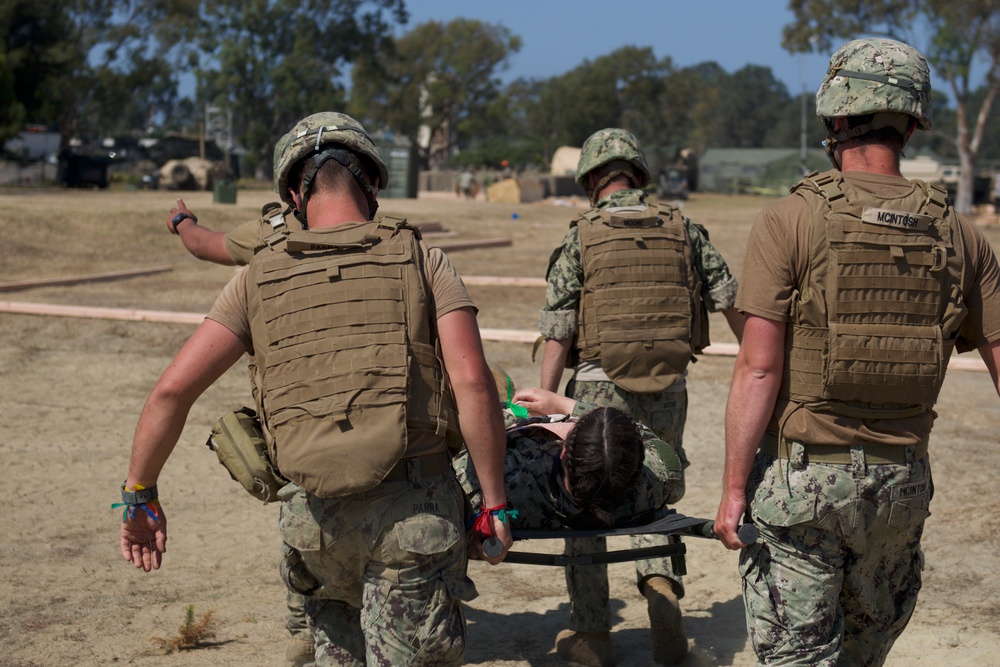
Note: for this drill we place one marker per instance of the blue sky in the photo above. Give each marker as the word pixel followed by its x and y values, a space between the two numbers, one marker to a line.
pixel 558 35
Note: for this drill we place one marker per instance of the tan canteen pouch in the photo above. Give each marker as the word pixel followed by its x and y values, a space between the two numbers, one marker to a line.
pixel 238 441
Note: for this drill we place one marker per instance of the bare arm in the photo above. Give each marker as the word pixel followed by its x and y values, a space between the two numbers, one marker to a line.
pixel 476 399
pixel 201 242
pixel 736 322
pixel 206 356
pixel 754 390
pixel 991 356
pixel 544 402
pixel 554 357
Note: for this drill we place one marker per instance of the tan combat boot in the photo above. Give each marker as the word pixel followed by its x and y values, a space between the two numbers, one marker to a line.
pixel 665 623
pixel 591 649
pixel 300 652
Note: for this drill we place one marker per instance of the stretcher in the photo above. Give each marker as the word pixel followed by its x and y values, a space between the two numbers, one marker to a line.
pixel 667 522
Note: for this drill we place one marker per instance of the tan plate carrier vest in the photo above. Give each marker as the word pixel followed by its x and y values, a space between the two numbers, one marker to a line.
pixel 640 306
pixel 871 329
pixel 347 363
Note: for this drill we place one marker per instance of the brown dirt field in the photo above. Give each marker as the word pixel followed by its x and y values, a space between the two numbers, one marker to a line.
pixel 72 389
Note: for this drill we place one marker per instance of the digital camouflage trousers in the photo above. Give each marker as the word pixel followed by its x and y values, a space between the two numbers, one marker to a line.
pixel 383 572
pixel 834 577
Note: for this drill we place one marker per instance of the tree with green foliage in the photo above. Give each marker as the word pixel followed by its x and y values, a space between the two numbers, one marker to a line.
pixel 273 62
pixel 34 53
pixel 960 34
pixel 69 63
pixel 436 85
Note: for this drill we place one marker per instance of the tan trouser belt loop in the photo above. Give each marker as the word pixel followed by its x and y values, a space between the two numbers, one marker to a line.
pixel 413 470
pixel 859 461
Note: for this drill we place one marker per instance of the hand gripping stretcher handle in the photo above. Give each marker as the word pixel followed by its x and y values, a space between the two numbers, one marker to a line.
pixel 492 547
pixel 747 532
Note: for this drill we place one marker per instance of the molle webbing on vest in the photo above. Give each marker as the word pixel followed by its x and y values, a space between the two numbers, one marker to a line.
pixel 638 299
pixel 343 330
pixel 866 337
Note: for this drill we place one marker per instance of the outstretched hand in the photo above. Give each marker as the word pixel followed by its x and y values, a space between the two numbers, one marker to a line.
pixel 544 402
pixel 144 536
pixel 179 208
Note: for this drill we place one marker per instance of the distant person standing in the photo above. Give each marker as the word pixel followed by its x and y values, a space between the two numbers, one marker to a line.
pixel 466 182
pixel 857 287
pixel 626 307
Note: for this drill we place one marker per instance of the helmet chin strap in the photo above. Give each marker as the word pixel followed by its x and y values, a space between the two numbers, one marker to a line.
pixel 344 157
pixel 830 145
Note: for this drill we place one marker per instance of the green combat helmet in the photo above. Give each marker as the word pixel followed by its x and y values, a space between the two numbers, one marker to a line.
pixel 321 137
pixel 606 146
pixel 875 76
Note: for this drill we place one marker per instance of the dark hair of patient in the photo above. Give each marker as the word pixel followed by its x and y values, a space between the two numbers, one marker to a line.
pixel 603 461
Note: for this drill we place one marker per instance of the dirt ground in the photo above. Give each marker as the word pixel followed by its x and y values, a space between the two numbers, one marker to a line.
pixel 71 391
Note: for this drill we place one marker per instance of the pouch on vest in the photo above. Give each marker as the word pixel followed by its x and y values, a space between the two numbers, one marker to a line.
pixel 238 441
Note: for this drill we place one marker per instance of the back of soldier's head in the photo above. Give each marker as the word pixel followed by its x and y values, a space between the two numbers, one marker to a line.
pixel 303 153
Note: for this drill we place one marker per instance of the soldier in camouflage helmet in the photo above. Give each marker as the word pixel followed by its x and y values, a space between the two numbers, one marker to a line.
pixel 373 520
pixel 608 316
pixel 856 288
pixel 237 246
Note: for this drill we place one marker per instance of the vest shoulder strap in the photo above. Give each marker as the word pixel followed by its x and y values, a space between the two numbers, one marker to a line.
pixel 397 223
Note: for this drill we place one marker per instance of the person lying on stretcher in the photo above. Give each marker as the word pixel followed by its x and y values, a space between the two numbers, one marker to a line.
pixel 574 465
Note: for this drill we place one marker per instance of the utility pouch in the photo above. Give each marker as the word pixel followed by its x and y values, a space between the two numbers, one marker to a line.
pixel 238 441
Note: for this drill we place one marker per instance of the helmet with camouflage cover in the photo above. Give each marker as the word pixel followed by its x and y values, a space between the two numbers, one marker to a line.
pixel 876 75
pixel 606 146
pixel 328 135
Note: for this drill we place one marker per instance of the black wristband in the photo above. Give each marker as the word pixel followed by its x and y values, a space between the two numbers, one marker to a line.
pixel 139 497
pixel 179 218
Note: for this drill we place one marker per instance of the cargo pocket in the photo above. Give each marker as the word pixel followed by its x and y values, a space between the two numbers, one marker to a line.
pixel 775 505
pixel 299 528
pixel 427 534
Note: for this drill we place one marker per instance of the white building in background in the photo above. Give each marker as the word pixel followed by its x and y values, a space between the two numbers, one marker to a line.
pixel 33 144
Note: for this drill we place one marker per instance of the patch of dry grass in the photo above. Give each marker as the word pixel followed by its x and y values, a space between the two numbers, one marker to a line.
pixel 192 633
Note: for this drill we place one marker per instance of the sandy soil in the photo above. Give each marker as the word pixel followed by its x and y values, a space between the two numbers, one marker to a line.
pixel 71 390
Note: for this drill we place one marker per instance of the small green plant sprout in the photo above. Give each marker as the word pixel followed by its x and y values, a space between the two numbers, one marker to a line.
pixel 192 633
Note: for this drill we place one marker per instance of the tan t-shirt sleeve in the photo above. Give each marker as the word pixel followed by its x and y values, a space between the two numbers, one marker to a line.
pixel 776 259
pixel 230 308
pixel 981 290
pixel 241 241
pixel 446 285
